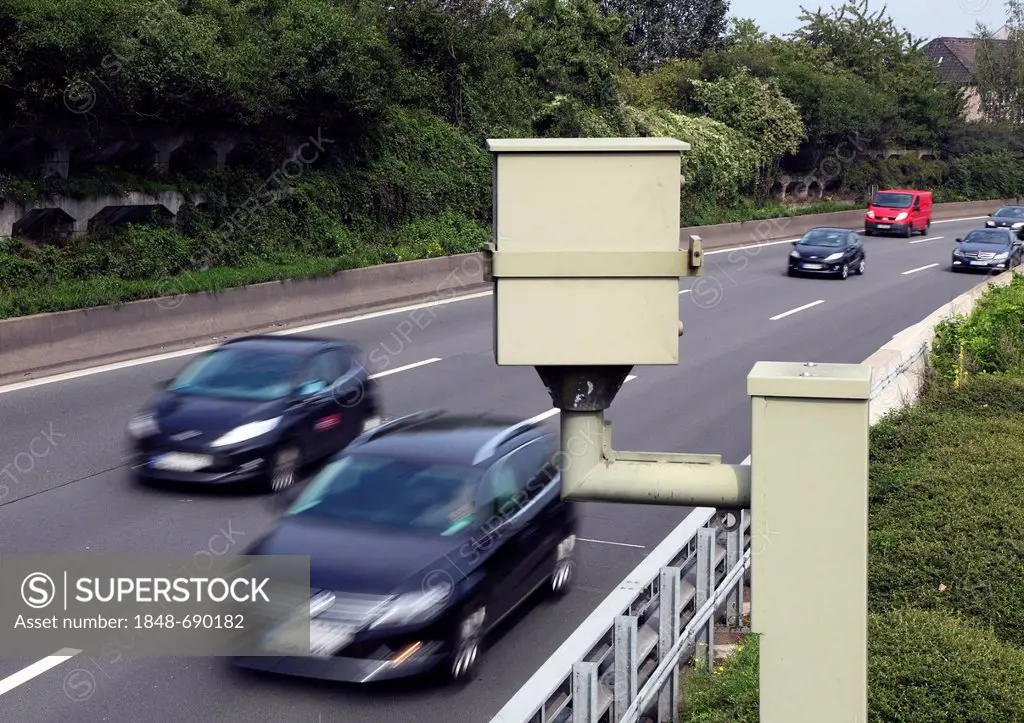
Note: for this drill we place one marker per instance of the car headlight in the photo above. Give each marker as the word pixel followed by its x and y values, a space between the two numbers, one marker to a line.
pixel 1001 257
pixel 901 216
pixel 956 252
pixel 1018 225
pixel 794 254
pixel 246 432
pixel 413 607
pixel 143 425
pixel 871 214
pixel 834 257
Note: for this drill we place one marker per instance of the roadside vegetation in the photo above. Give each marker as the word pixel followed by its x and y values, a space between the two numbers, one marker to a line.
pixel 408 91
pixel 946 569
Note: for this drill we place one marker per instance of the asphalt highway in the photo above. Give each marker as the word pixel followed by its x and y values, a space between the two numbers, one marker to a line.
pixel 66 489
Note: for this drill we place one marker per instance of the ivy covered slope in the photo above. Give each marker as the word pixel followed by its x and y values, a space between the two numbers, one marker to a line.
pixel 407 91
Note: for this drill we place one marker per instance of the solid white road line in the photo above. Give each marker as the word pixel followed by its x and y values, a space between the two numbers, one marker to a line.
pixel 336 322
pixel 128 363
pixel 36 669
pixel 685 291
pixel 18 386
pixel 919 268
pixel 554 410
pixel 922 240
pixel 784 314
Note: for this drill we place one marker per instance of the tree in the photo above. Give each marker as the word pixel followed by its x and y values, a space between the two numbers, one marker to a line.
pixel 462 55
pixel 757 109
pixel 916 108
pixel 571 49
pixel 660 31
pixel 999 69
pixel 868 43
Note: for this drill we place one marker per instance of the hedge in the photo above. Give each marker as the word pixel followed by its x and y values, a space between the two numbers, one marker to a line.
pixel 923 667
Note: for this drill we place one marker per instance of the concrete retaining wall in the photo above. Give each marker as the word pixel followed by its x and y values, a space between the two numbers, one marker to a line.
pixel 180 319
pixel 899 366
pixel 45 341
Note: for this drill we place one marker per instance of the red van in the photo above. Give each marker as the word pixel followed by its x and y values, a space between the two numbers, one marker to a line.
pixel 900 212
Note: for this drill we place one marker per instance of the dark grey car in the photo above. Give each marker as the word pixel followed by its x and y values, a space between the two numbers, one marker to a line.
pixel 1010 217
pixel 987 249
pixel 834 252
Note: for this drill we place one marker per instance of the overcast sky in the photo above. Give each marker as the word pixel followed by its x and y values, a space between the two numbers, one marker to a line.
pixel 924 18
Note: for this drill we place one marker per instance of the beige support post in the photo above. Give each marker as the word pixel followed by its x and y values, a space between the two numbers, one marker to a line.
pixel 809 527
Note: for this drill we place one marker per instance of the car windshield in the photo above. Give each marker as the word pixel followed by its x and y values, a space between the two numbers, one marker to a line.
pixel 893 200
pixel 822 237
pixel 238 373
pixel 392 493
pixel 1010 212
pixel 991 236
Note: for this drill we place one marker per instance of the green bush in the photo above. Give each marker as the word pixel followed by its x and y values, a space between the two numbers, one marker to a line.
pixel 923 667
pixel 946 531
pixel 931 667
pixel 989 340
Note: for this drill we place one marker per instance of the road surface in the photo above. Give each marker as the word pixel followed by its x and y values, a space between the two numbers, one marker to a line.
pixel 61 455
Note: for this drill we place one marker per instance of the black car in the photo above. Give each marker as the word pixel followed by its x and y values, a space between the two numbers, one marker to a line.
pixel 987 249
pixel 1011 217
pixel 422 536
pixel 255 409
pixel 829 251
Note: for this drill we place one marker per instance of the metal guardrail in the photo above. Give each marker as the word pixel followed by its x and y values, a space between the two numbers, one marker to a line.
pixel 899 369
pixel 621 665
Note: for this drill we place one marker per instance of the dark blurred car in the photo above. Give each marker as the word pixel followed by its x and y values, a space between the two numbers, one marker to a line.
pixel 987 249
pixel 258 408
pixel 422 536
pixel 1011 217
pixel 829 251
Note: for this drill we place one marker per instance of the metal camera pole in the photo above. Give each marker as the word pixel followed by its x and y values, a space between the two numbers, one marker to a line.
pixel 586 265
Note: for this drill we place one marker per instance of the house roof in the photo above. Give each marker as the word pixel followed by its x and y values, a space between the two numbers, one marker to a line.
pixel 955 57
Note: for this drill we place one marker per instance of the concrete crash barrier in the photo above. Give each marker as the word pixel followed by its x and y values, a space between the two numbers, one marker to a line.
pixel 898 368
pixel 771 229
pixel 179 318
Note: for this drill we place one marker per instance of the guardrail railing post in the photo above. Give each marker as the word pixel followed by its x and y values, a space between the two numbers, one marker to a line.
pixel 625 664
pixel 706 542
pixel 733 551
pixel 745 579
pixel 669 612
pixel 584 692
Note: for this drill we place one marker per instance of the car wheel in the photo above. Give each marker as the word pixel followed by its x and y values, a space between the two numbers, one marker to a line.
pixel 868 233
pixel 860 267
pixel 564 573
pixel 790 272
pixel 469 637
pixel 285 468
pixel 844 273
